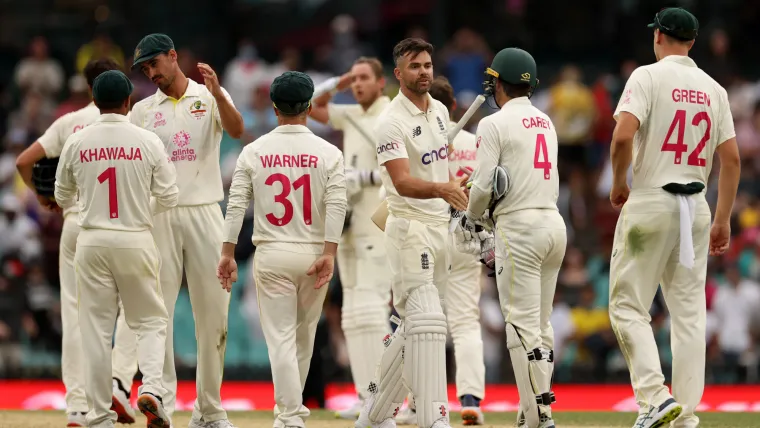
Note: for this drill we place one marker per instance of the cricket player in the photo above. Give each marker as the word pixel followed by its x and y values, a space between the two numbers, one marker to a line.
pixel 112 168
pixel 361 256
pixel 189 118
pixel 45 154
pixel 671 120
pixel 412 147
pixel 462 294
pixel 530 233
pixel 297 183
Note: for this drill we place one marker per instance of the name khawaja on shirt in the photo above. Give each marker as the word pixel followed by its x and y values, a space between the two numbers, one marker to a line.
pixel 289 161
pixel 690 96
pixel 110 153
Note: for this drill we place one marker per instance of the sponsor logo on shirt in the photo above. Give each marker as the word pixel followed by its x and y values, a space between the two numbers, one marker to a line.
pixel 387 147
pixel 435 155
pixel 77 128
pixel 159 120
pixel 181 140
pixel 460 155
pixel 416 132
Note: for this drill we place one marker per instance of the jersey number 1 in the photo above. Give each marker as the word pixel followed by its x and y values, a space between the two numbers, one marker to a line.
pixel 679 147
pixel 542 152
pixel 304 182
pixel 113 201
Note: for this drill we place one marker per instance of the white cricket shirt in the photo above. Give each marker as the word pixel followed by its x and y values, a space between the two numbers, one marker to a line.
pixel 522 139
pixel 191 130
pixel 404 131
pixel 55 136
pixel 360 153
pixel 463 153
pixel 684 116
pixel 297 183
pixel 116 167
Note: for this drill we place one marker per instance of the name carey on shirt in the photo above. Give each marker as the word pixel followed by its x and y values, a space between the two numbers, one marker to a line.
pixel 110 153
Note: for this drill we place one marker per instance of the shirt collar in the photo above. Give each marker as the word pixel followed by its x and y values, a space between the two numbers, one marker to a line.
pixel 378 105
pixel 112 117
pixel 191 91
pixel 525 101
pixel 680 59
pixel 413 109
pixel 292 129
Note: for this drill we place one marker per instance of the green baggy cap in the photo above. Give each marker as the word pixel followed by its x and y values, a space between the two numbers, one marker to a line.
pixel 291 92
pixel 111 86
pixel 150 46
pixel 676 22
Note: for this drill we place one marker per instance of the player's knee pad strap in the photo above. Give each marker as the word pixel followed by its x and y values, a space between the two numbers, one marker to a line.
pixel 425 355
pixel 388 388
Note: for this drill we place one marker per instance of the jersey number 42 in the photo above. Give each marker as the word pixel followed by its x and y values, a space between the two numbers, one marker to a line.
pixel 679 147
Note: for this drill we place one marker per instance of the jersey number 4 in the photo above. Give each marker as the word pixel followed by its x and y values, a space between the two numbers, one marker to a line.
pixel 109 175
pixel 542 153
pixel 679 147
pixel 304 182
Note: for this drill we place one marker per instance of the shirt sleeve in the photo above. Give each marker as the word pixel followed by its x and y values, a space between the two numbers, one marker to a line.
pixel 52 140
pixel 335 200
pixel 487 158
pixel 65 184
pixel 135 116
pixel 390 142
pixel 217 116
pixel 726 129
pixel 163 184
pixel 241 194
pixel 337 115
pixel 636 98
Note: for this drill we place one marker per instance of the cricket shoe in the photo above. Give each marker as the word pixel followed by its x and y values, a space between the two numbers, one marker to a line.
pixel 544 421
pixel 120 404
pixel 363 420
pixel 659 416
pixel 471 413
pixel 153 409
pixel 407 416
pixel 352 413
pixel 76 419
pixel 221 423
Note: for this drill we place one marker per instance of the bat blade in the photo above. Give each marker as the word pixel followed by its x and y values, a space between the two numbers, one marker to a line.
pixel 466 117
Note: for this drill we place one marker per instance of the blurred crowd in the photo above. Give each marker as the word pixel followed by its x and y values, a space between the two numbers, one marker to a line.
pixel 580 105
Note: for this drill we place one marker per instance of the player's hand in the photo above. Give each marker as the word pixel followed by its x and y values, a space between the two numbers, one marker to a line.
pixel 344 82
pixel 210 79
pixel 619 195
pixel 48 203
pixel 227 272
pixel 323 269
pixel 453 193
pixel 720 236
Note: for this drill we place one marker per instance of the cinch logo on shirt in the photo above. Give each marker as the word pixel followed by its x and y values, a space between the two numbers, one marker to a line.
pixel 387 147
pixel 434 155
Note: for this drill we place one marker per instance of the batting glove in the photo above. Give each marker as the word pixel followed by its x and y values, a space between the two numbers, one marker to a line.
pixel 488 252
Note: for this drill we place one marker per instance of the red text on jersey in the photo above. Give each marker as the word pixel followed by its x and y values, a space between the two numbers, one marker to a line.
pixel 536 122
pixel 110 153
pixel 463 155
pixel 690 96
pixel 289 161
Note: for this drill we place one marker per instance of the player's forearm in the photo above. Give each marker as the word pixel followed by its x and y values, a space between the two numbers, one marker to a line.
pixel 331 248
pixel 728 184
pixel 228 249
pixel 232 120
pixel 621 154
pixel 479 199
pixel 25 171
pixel 409 186
pixel 324 91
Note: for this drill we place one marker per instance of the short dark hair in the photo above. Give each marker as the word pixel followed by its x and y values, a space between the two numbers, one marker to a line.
pixel 374 64
pixel 516 91
pixel 292 109
pixel 411 45
pixel 442 91
pixel 97 67
pixel 109 105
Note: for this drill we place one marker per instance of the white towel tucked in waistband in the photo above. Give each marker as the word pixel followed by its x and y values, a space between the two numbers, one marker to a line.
pixel 688 207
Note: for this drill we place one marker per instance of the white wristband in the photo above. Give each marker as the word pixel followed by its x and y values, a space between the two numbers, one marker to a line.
pixel 330 85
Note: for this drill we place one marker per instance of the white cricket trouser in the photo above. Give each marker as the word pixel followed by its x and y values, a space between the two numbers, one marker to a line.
pixel 461 298
pixel 289 307
pixel 124 357
pixel 645 254
pixel 366 286
pixel 530 246
pixel 112 265
pixel 72 354
pixel 191 238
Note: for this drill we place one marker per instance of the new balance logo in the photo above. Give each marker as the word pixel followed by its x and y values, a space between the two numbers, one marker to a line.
pixel 416 132
pixel 424 261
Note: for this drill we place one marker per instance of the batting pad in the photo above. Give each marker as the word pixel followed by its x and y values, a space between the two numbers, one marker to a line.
pixel 425 360
pixel 364 327
pixel 389 389
pixel 543 371
pixel 525 386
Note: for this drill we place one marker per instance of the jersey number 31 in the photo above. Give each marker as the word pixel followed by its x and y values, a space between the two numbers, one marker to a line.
pixel 679 147
pixel 304 182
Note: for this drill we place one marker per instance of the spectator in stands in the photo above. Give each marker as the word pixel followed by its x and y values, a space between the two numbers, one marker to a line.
pixel 748 135
pixel 258 115
pixel 100 47
pixel 20 234
pixel 12 315
pixel 41 303
pixel 572 110
pixel 244 73
pixel 464 61
pixel 34 116
pixel 39 73
pixel 593 332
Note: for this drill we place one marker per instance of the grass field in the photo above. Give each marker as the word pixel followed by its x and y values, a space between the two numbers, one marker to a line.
pixel 325 419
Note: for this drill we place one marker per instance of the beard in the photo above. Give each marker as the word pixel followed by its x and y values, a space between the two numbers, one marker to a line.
pixel 164 83
pixel 418 86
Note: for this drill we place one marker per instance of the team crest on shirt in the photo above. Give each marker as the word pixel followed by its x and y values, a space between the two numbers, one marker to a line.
pixel 159 120
pixel 440 124
pixel 77 128
pixel 198 109
pixel 182 153
pixel 626 97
